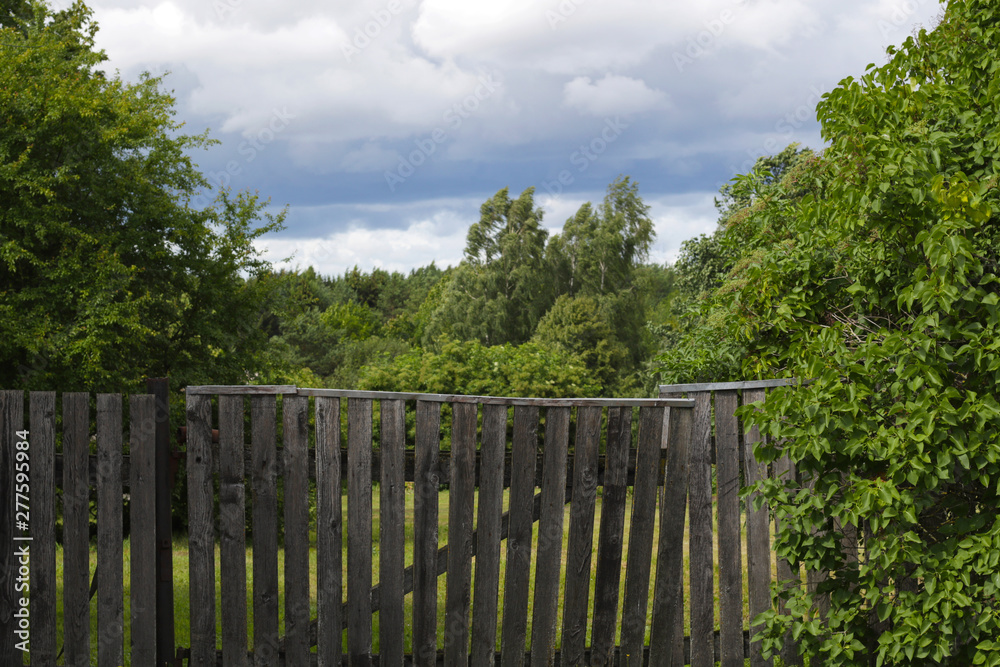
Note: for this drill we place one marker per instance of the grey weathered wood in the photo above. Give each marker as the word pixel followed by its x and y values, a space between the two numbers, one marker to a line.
pixel 232 532
pixel 329 641
pixel 758 534
pixel 484 613
pixel 548 557
pixel 142 515
pixel 241 390
pixel 359 532
pixel 785 469
pixel 640 543
pixel 496 400
pixel 264 481
pixel 11 421
pixel 295 415
pixel 609 546
pixel 580 546
pixel 515 605
pixel 462 488
pixel 725 386
pixel 701 559
pixel 730 546
pixel 110 585
pixel 425 533
pixel 76 531
pixel 201 532
pixel 666 643
pixel 43 550
pixel 392 524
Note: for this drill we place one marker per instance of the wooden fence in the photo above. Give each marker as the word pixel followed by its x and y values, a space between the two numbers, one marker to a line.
pixel 544 453
pixel 722 450
pixel 488 450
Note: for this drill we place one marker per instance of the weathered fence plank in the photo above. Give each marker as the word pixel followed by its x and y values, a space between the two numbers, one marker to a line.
pixel 295 415
pixel 515 605
pixel 264 481
pixel 232 532
pixel 328 533
pixel 581 535
pixel 758 534
pixel 110 585
pixel 76 530
pixel 359 532
pixel 460 516
pixel 701 560
pixel 609 548
pixel 392 525
pixel 43 551
pixel 550 533
pixel 11 421
pixel 425 533
pixel 730 546
pixel 640 543
pixel 142 515
pixel 201 532
pixel 666 643
pixel 491 472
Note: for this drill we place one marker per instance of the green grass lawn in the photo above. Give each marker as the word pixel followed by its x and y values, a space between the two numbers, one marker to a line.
pixel 182 582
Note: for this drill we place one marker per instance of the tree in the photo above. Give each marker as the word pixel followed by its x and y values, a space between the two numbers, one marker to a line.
pixel 498 293
pixel 599 250
pixel 697 344
pixel 108 271
pixel 471 368
pixel 882 288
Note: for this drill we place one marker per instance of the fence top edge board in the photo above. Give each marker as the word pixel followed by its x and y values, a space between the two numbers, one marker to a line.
pixel 246 390
pixel 723 386
pixel 499 400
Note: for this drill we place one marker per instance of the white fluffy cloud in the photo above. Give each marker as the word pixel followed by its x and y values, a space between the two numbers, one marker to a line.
pixel 419 244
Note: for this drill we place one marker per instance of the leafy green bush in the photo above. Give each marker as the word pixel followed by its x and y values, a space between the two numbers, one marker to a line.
pixel 881 285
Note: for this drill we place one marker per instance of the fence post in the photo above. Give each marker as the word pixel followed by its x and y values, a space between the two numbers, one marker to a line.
pixel 160 388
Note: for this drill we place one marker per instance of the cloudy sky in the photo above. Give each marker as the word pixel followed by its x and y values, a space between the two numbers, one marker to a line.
pixel 384 124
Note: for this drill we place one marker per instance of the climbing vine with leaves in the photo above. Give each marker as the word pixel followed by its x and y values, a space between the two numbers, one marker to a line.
pixel 880 284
